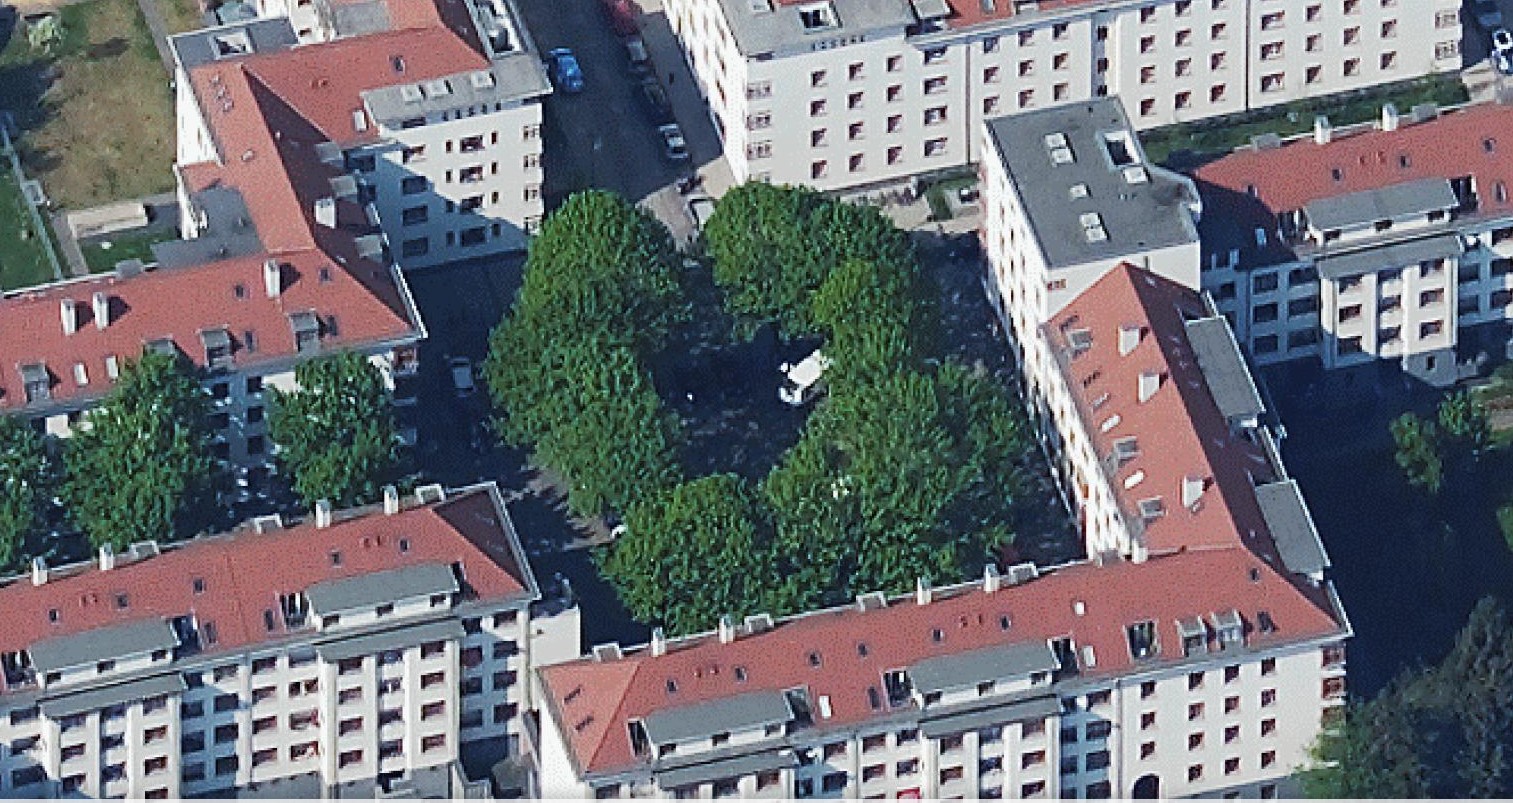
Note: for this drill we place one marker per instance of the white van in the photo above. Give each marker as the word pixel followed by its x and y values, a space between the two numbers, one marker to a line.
pixel 803 381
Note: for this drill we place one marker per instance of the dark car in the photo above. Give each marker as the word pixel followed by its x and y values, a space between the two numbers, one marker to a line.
pixel 654 102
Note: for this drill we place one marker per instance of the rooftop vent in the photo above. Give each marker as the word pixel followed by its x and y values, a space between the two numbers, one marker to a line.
pixel 1194 636
pixel 323 513
pixel 39 571
pixel 1022 573
pixel 411 93
pixel 991 579
pixel 1079 339
pixel 658 642
pixel 1323 132
pixel 267 524
pixel 1135 174
pixel 1424 112
pixel 607 652
pixel 438 88
pixel 871 601
pixel 1266 142
pixel 758 623
pixel 391 500
pixel 107 557
pixel 1126 449
pixel 1129 338
pixel 1192 491
pixel 922 591
pixel 1148 384
pixel 727 629
pixel 483 79
pixel 101 309
pixel 1078 191
pixel 1152 508
pixel 426 494
pixel 1060 150
pixel 1092 227
pixel 817 16
pixel 1230 627
pixel 69 313
pixel 1390 118
pixel 359 120
pixel 325 212
pixel 273 277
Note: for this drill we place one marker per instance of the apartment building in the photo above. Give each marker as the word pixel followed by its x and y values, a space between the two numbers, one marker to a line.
pixel 1067 195
pixel 415 130
pixel 840 94
pixel 1386 244
pixel 377 650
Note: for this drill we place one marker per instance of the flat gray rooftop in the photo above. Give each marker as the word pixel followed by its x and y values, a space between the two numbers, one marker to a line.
pixel 1292 527
pixel 368 643
pixel 95 698
pixel 1224 370
pixel 1017 709
pixel 767 26
pixel 513 77
pixel 228 233
pixel 729 714
pixel 1080 162
pixel 979 666
pixel 369 590
pixel 1397 255
pixel 1387 203
pixel 232 41
pixel 102 643
pixel 726 767
pixel 357 19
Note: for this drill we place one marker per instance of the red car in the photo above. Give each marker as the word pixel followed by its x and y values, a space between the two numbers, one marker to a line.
pixel 622 16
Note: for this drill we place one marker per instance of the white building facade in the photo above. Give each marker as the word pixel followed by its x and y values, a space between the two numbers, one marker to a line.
pixel 373 679
pixel 839 94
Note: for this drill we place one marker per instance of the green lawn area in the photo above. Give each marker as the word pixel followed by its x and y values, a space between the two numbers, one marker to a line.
pixel 103 253
pixel 96 118
pixel 23 254
pixel 1221 135
pixel 182 15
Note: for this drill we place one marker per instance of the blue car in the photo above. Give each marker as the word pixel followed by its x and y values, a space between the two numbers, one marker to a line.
pixel 566 73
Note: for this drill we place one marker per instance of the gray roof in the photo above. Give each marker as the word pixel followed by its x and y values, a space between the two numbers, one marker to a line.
pixel 369 643
pixel 730 767
pixel 1397 255
pixel 1224 370
pixel 369 590
pixel 263 35
pixel 769 26
pixel 516 76
pixel 357 19
pixel 1292 527
pixel 964 669
pixel 1039 706
pixel 1387 203
pixel 228 232
pixel 114 642
pixel 726 715
pixel 95 698
pixel 1155 212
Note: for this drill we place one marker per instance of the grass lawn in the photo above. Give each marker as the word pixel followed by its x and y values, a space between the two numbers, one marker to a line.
pixel 23 258
pixel 1187 144
pixel 96 118
pixel 182 15
pixel 102 253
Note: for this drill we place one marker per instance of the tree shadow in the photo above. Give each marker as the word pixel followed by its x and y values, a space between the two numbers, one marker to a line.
pixel 8 20
pixel 108 49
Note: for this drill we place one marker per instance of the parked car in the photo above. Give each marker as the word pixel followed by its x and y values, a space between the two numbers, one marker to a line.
pixel 462 375
pixel 674 147
pixel 640 60
pixel 653 99
pixel 622 16
pixel 566 73
pixel 804 380
pixel 1488 14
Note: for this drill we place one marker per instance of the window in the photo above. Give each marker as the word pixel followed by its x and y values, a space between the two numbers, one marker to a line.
pixel 817 78
pixel 412 185
pixel 1194 711
pixel 1147 689
pixel 1268 698
pixel 1231 734
pixel 1352 67
pixel 1268 758
pixel 1147 720
pixel 833 781
pixel 1195 741
pixel 1195 773
pixel 935 147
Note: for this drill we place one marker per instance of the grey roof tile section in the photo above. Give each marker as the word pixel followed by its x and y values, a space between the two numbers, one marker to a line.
pixel 731 767
pixel 1224 370
pixel 262 36
pixel 964 669
pixel 767 26
pixel 516 77
pixel 228 232
pixel 95 698
pixel 1018 709
pixel 369 643
pixel 1397 255
pixel 1393 202
pixel 369 590
pixel 730 714
pixel 117 641
pixel 357 19
pixel 1292 527
pixel 1144 215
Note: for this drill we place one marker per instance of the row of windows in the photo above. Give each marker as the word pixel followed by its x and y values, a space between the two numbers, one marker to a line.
pixel 469 237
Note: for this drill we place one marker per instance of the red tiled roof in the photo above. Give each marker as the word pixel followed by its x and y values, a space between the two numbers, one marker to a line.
pixel 1179 430
pixel 245 572
pixel 1300 171
pixel 606 695
pixel 180 303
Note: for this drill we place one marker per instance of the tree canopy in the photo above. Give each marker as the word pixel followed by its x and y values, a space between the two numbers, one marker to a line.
pixel 1445 731
pixel 27 480
pixel 336 432
pixel 1418 451
pixel 142 468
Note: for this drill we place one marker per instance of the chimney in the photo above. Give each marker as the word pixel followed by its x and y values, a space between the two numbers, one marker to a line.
pixel 39 571
pixel 1150 382
pixel 325 212
pixel 68 310
pixel 991 579
pixel 1192 490
pixel 658 642
pixel 1322 130
pixel 1389 117
pixel 107 557
pixel 922 592
pixel 1129 338
pixel 391 500
pixel 102 309
pixel 323 513
pixel 727 629
pixel 273 278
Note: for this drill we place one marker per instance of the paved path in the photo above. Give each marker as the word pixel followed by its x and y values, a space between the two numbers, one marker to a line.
pixel 68 245
pixel 159 28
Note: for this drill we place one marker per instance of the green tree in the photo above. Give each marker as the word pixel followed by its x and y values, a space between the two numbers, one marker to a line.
pixel 142 469
pixel 691 554
pixel 1418 451
pixel 601 292
pixel 765 256
pixel 46 34
pixel 336 433
pixel 1463 421
pixel 28 478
